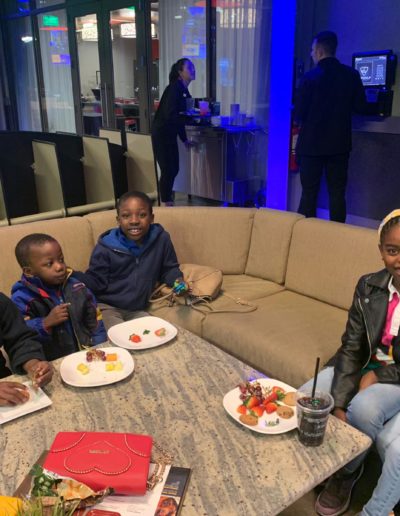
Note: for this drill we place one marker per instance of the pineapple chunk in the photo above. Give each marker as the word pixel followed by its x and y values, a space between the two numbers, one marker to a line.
pixel 118 366
pixel 110 366
pixel 83 368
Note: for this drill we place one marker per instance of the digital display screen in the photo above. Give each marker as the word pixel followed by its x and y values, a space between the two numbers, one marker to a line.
pixel 372 69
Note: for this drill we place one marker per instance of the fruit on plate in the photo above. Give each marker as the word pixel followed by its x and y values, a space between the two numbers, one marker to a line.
pixel 93 355
pixel 270 407
pixel 258 410
pixel 83 368
pixel 114 366
pixel 135 338
pixel 111 357
pixel 161 332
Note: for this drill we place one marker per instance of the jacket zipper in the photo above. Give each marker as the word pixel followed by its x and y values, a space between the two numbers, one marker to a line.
pixel 72 326
pixel 368 336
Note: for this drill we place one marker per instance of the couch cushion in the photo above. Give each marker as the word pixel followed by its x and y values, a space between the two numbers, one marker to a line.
pixel 327 258
pixel 283 337
pixel 101 222
pixel 247 287
pixel 73 234
pixel 214 236
pixel 269 245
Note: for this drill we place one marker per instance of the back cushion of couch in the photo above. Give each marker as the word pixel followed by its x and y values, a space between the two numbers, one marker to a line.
pixel 219 237
pixel 326 259
pixel 269 245
pixel 214 236
pixel 73 234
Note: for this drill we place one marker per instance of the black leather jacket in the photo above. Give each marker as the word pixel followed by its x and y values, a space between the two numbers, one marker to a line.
pixel 365 324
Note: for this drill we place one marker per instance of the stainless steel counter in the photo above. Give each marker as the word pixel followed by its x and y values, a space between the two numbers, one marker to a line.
pixel 227 164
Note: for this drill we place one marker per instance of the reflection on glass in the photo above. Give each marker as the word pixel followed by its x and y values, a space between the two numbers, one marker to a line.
pixel 182 33
pixel 89 72
pixel 56 65
pixel 243 43
pixel 24 73
pixel 126 86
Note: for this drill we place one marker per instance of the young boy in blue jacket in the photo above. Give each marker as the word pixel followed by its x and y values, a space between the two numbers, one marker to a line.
pixel 61 310
pixel 128 261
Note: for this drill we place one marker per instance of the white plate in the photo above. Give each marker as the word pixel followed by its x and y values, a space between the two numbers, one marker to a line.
pixel 119 334
pixel 232 401
pixel 37 400
pixel 97 369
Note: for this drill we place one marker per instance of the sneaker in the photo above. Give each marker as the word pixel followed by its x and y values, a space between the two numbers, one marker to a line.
pixel 335 498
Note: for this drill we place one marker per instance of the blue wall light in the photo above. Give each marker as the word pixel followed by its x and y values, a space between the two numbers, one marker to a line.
pixel 281 80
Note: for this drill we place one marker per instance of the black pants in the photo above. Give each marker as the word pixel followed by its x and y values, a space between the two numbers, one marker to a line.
pixel 311 170
pixel 167 156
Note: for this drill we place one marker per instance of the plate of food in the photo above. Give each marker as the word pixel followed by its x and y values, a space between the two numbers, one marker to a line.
pixel 96 366
pixel 142 333
pixel 266 406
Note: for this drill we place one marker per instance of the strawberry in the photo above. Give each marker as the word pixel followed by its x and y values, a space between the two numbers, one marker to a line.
pixel 251 401
pixel 270 407
pixel 161 332
pixel 279 391
pixel 257 411
pixel 271 397
pixel 135 338
pixel 242 409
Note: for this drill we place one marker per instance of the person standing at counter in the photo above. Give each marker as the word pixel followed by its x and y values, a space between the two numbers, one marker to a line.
pixel 169 124
pixel 326 98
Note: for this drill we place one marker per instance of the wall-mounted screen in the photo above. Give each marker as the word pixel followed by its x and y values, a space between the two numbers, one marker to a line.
pixel 376 69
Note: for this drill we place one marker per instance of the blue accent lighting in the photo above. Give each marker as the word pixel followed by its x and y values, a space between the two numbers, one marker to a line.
pixel 281 80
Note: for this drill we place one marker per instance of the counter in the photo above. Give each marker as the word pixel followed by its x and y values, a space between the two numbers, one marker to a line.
pixel 226 164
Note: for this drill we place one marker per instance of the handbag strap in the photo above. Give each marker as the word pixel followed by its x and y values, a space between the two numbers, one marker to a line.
pixel 206 307
pixel 161 460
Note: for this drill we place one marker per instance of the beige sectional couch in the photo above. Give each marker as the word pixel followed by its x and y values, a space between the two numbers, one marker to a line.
pixel 301 274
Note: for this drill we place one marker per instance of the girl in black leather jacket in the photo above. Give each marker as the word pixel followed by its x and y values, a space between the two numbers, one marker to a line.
pixel 365 380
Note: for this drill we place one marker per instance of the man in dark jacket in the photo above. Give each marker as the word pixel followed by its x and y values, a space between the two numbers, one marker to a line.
pixel 24 352
pixel 324 103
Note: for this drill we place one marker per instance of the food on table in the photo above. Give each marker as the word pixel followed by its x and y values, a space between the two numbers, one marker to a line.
pixel 285 412
pixel 249 419
pixel 83 368
pixel 257 400
pixel 111 357
pixel 135 338
pixel 93 355
pixel 114 366
pixel 146 332
pixel 161 332
pixel 290 399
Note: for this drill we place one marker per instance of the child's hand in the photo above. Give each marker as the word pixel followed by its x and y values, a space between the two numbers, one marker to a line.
pixel 13 393
pixel 340 414
pixel 39 371
pixel 367 379
pixel 57 315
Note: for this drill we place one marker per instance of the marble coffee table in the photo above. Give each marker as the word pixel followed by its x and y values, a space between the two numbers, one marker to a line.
pixel 175 394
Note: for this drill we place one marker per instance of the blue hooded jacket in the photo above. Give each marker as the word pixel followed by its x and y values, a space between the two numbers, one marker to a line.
pixel 123 274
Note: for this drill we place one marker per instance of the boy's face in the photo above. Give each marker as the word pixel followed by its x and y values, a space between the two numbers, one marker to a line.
pixel 134 219
pixel 390 252
pixel 47 263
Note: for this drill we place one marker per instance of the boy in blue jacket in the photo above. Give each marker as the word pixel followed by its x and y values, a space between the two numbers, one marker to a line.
pixel 60 309
pixel 128 261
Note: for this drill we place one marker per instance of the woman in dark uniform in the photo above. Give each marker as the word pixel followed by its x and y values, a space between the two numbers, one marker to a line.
pixel 168 124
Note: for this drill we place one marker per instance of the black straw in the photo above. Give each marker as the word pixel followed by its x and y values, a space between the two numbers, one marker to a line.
pixel 315 379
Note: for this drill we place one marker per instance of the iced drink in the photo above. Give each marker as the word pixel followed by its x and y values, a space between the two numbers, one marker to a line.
pixel 312 416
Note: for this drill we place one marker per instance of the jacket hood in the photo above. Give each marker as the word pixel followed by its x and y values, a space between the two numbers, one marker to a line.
pixel 115 239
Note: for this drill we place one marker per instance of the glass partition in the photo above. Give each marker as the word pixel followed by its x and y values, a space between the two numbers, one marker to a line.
pixel 56 67
pixel 22 62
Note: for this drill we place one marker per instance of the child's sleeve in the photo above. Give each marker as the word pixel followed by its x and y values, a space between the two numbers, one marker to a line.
pixel 93 319
pixel 18 340
pixel 170 268
pixel 34 323
pixel 96 278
